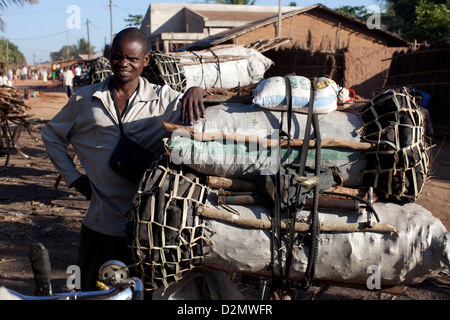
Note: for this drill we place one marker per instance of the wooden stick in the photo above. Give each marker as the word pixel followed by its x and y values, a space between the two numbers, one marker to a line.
pixel 299 226
pixel 217 99
pixel 209 59
pixel 208 136
pixel 217 183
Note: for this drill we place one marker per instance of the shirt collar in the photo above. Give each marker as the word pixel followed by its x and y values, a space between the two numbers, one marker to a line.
pixel 145 91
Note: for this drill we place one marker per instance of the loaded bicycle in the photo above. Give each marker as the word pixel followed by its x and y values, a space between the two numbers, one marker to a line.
pixel 13 119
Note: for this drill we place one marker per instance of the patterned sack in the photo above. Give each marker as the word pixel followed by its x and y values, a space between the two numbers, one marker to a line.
pixel 271 94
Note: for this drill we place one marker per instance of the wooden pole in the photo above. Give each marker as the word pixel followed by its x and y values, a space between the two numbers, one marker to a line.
pixel 208 136
pixel 235 219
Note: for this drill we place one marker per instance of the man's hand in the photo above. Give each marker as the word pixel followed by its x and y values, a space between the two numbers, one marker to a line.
pixel 193 105
pixel 83 186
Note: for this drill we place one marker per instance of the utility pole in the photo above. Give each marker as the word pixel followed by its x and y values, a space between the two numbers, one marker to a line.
pixel 279 20
pixel 111 17
pixel 89 42
pixel 67 46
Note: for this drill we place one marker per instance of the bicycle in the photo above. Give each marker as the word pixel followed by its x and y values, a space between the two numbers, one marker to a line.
pixel 114 278
pixel 9 135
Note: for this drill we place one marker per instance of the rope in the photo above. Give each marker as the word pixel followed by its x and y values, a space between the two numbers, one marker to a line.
pixel 200 58
pixel 218 68
pixel 400 164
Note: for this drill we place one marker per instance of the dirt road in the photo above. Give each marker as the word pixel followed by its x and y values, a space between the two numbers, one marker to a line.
pixel 31 210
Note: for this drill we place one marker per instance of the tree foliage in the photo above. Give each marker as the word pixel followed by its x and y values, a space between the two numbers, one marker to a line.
pixel 134 20
pixel 72 51
pixel 432 22
pixel 355 11
pixel 14 55
pixel 421 20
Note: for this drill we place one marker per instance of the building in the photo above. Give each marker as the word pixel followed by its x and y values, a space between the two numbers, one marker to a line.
pixel 320 41
pixel 171 25
pixel 309 41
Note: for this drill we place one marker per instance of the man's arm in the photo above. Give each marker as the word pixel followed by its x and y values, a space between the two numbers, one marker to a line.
pixel 54 136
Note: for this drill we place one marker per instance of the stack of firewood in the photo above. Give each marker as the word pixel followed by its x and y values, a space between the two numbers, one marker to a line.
pixel 12 107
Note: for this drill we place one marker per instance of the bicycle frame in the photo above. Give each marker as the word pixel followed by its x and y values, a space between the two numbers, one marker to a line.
pixel 9 135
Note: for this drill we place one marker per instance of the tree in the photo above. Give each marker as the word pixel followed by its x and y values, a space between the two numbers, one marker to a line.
pixel 72 51
pixel 419 19
pixel 84 47
pixel 359 12
pixel 13 55
pixel 432 22
pixel 134 20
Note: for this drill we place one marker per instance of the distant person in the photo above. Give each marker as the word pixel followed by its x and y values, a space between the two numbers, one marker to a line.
pixel 44 75
pixel 67 79
pixel 53 73
pixel 24 73
pixel 78 71
pixel 427 126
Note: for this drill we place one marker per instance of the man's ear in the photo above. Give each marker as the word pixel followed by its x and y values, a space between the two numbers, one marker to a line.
pixel 146 59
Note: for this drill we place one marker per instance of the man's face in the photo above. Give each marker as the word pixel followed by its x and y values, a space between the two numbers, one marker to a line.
pixel 128 59
pixel 418 100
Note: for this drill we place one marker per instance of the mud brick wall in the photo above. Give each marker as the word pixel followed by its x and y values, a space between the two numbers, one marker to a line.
pixel 366 68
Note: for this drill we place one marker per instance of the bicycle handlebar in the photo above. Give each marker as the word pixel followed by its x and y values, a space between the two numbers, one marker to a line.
pixel 130 290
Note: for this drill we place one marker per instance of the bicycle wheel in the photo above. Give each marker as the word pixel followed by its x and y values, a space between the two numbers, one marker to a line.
pixel 5 146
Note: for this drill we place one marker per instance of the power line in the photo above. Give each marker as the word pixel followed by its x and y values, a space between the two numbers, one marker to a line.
pixel 41 37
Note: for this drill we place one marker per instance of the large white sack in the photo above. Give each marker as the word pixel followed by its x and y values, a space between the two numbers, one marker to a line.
pixel 420 251
pixel 243 71
pixel 271 94
pixel 248 160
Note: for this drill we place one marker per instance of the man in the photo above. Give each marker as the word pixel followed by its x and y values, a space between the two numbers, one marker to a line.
pixel 427 126
pixel 67 80
pixel 89 122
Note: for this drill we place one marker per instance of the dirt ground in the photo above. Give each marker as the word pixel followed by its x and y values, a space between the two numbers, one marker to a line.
pixel 32 210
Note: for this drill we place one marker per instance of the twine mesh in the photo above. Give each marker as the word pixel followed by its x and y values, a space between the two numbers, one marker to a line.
pixel 167 239
pixel 164 69
pixel 397 169
pixel 99 70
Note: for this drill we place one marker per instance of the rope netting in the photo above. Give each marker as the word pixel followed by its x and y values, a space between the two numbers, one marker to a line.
pixel 167 239
pixel 165 69
pixel 397 169
pixel 99 70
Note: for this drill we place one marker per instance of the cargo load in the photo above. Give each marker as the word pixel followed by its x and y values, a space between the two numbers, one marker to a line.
pixel 178 225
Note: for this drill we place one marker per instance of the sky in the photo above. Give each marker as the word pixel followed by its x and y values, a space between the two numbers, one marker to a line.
pixel 47 26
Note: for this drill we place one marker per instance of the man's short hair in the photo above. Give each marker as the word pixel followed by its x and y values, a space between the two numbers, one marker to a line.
pixel 132 34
